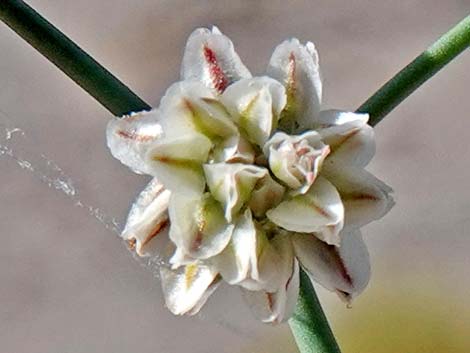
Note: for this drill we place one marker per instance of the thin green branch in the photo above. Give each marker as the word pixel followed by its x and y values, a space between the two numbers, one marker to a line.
pixel 417 72
pixel 309 323
pixel 68 57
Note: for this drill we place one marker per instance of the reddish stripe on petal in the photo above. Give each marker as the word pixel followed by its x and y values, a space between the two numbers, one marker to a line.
pixel 158 191
pixel 197 241
pixel 320 210
pixel 341 266
pixel 345 297
pixel 134 136
pixel 269 297
pixel 359 197
pixel 209 100
pixel 290 278
pixel 156 230
pixel 291 78
pixel 219 80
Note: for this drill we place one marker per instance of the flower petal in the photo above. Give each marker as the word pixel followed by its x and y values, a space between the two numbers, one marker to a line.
pixel 130 137
pixel 255 104
pixel 344 269
pixel 198 225
pixel 278 305
pixel 320 210
pixel 209 291
pixel 250 260
pixel 187 288
pixel 210 58
pixel 235 149
pixel 351 140
pixel 290 292
pixel 232 184
pixel 147 218
pixel 296 67
pixel 178 162
pixel 180 258
pixel 334 117
pixel 265 195
pixel 240 255
pixel 190 107
pixel 296 160
pixel 274 307
pixel 266 264
pixel 365 198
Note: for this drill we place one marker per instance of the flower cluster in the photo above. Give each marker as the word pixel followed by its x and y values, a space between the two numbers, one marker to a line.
pixel 251 180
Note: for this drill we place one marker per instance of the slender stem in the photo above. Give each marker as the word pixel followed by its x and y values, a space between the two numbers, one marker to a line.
pixel 417 72
pixel 309 323
pixel 68 57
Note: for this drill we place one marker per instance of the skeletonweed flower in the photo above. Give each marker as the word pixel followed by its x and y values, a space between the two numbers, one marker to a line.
pixel 250 180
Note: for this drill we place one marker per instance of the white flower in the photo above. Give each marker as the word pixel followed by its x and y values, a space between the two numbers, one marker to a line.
pixel 251 180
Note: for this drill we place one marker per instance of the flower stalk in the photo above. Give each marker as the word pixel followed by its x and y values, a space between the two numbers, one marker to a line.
pixel 421 69
pixel 309 324
pixel 70 58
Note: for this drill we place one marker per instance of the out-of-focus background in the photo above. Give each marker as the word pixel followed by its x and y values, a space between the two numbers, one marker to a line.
pixel 69 285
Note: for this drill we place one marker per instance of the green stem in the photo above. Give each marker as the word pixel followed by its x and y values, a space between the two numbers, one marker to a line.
pixel 309 324
pixel 68 57
pixel 417 72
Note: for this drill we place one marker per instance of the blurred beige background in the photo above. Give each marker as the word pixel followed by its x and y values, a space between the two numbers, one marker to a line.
pixel 69 285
